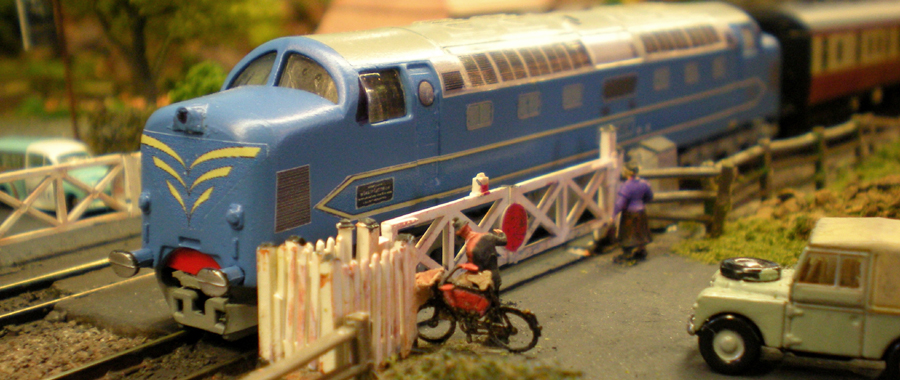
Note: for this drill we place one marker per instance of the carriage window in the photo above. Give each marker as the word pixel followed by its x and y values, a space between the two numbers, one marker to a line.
pixel 573 95
pixel 380 96
pixel 661 79
pixel 619 87
pixel 302 73
pixel 479 115
pixel 529 105
pixel 691 73
pixel 256 73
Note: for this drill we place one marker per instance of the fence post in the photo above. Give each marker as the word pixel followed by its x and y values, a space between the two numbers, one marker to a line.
pixel 709 205
pixel 723 198
pixel 821 154
pixel 862 150
pixel 765 180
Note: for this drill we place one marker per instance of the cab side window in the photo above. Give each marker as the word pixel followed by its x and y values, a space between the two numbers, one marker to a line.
pixel 36 160
pixel 380 96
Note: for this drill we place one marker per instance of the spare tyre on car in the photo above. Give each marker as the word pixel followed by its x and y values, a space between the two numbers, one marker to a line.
pixel 750 269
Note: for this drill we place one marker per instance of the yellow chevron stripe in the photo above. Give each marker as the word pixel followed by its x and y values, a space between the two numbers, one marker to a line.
pixel 168 169
pixel 177 196
pixel 203 198
pixel 215 173
pixel 154 143
pixel 238 151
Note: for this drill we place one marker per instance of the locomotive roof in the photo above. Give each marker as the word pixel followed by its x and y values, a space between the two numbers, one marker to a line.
pixel 871 234
pixel 434 39
pixel 838 15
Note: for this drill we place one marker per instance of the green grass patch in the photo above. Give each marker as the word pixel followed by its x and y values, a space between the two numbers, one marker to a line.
pixel 460 362
pixel 751 237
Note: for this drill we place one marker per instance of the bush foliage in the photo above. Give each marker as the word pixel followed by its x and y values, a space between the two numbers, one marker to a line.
pixel 203 78
pixel 116 128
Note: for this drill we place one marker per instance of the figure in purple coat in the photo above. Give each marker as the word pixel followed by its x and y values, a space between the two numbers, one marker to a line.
pixel 634 231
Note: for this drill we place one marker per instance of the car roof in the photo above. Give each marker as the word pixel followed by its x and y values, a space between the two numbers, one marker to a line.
pixel 867 234
pixel 51 146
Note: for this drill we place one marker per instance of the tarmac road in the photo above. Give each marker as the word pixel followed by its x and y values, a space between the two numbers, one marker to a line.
pixel 615 322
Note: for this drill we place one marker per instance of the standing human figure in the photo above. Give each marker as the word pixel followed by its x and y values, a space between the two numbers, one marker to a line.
pixel 634 230
pixel 481 250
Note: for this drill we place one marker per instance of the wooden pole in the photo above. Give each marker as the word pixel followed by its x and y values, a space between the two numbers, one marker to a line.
pixel 67 63
pixel 821 154
pixel 765 180
pixel 723 200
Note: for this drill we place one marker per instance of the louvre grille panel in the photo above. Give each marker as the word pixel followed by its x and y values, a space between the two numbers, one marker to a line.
pixel 452 81
pixel 472 70
pixel 292 208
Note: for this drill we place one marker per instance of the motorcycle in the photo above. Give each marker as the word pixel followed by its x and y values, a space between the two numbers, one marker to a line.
pixel 477 311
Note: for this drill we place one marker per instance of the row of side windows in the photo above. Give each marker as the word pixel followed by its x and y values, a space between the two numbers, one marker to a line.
pixel 661 77
pixel 480 115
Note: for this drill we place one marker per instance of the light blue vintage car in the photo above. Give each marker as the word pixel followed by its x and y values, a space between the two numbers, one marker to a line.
pixel 18 153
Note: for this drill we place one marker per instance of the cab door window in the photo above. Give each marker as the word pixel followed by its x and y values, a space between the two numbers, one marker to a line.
pixel 830 278
pixel 381 96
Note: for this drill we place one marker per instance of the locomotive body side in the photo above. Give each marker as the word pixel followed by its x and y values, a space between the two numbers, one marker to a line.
pixel 309 130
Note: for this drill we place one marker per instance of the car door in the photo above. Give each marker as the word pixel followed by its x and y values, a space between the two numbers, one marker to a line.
pixel 826 314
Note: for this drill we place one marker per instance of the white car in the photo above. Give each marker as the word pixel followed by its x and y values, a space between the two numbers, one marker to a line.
pixel 842 300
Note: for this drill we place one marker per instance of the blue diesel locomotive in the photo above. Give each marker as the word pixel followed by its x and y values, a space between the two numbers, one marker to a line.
pixel 309 130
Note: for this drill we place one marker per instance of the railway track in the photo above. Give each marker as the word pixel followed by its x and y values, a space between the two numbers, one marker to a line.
pixel 140 360
pixel 48 279
pixel 35 312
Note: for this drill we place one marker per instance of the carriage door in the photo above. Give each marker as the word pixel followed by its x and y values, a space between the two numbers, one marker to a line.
pixel 425 88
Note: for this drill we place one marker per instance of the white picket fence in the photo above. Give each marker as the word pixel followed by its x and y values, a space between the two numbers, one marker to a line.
pixel 123 176
pixel 306 291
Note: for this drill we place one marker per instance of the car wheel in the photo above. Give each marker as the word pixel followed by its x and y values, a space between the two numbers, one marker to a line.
pixel 729 344
pixel 892 363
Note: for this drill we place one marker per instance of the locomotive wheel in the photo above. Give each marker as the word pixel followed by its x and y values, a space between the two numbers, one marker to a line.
pixel 435 323
pixel 516 331
pixel 729 344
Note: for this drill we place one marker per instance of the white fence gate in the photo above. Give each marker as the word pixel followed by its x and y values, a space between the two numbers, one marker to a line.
pixel 561 205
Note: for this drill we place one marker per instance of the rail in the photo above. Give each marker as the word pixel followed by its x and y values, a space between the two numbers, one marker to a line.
pixel 354 332
pixel 117 191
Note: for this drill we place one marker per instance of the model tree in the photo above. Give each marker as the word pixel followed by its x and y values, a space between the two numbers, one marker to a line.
pixel 147 32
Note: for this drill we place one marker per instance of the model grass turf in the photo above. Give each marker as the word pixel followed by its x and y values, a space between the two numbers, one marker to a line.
pixel 455 361
pixel 780 228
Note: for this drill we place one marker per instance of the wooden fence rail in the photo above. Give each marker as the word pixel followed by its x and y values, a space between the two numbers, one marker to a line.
pixel 117 191
pixel 749 174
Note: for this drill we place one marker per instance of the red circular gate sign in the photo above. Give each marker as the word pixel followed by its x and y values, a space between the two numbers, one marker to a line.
pixel 515 222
